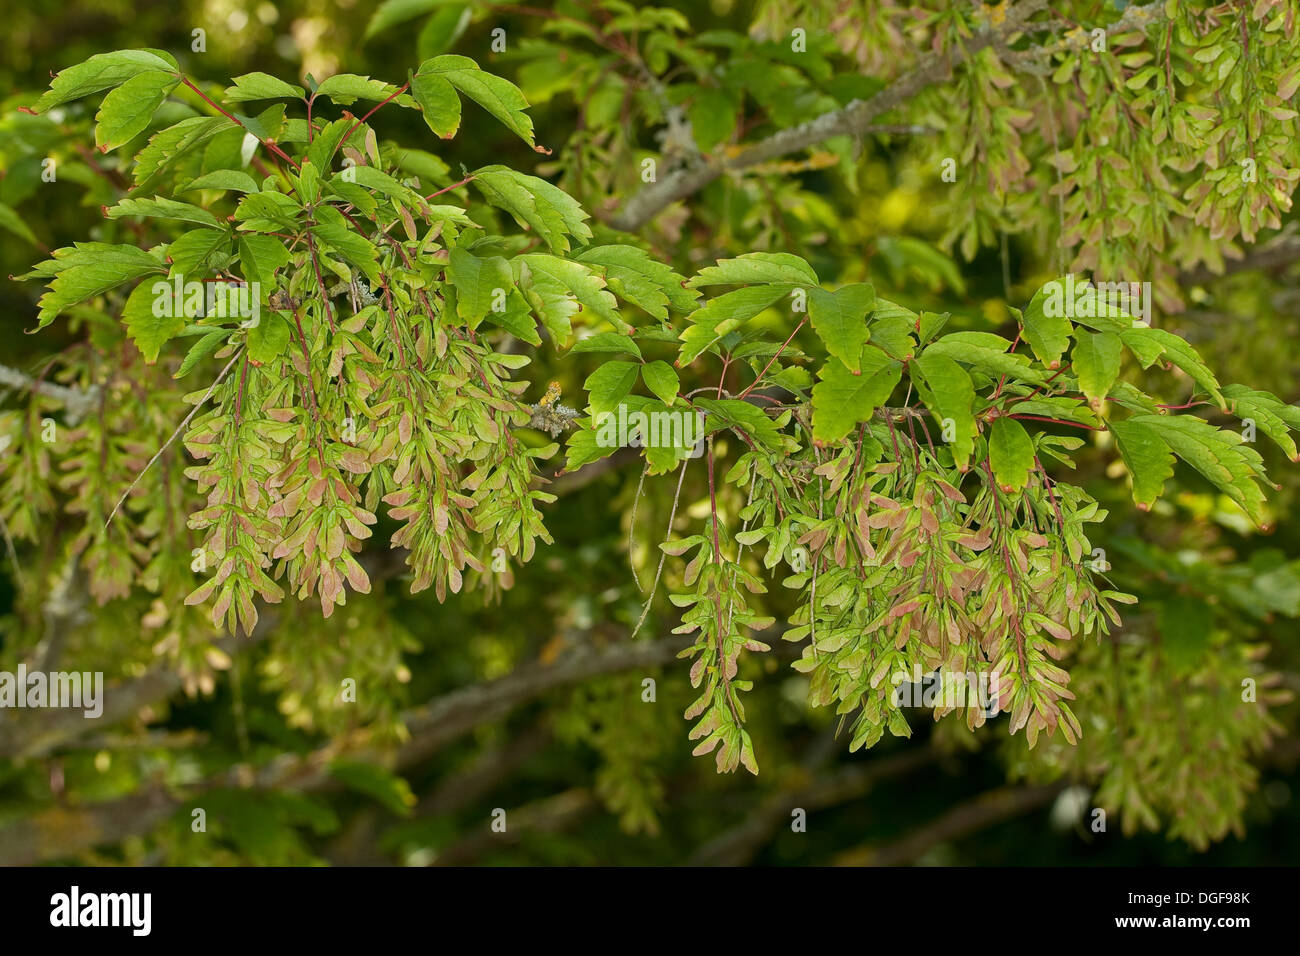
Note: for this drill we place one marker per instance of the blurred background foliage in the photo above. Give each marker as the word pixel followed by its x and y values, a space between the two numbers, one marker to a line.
pixel 589 773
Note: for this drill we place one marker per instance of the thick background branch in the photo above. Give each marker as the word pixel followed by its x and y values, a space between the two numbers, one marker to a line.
pixel 857 117
pixel 63 831
pixel 76 402
pixel 853 119
pixel 739 845
pixel 962 820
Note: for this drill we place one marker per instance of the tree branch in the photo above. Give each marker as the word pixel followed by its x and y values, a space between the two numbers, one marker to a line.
pixel 739 845
pixel 547 815
pixel 358 844
pixel 64 831
pixel 76 402
pixel 962 820
pixel 38 732
pixel 854 119
pixel 35 733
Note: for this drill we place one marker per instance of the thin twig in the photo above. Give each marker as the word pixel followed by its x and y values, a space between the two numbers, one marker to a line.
pixel 681 477
pixel 179 429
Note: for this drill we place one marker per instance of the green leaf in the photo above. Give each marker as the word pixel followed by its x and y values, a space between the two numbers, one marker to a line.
pixel 269 339
pixel 149 331
pixel 479 284
pixel 335 233
pixel 498 96
pixel 931 324
pixel 384 786
pixel 893 336
pixel 127 110
pixel 548 210
pixel 1011 453
pixel 1095 361
pixel 1149 461
pixel 555 288
pixel 11 221
pixel 441 31
pixel 346 88
pixel 1131 397
pixel 842 399
pixel 1270 414
pixel 191 252
pixel 225 179
pixel 267 211
pixel 701 336
pixel 90 253
pixel 202 349
pixel 749 418
pixel 635 277
pixel 260 256
pixel 438 102
pixel 261 86
pixel 665 436
pixel 168 145
pixel 83 277
pixel 892 328
pixel 948 392
pixel 723 315
pixel 160 208
pixel 840 319
pixel 610 384
pixel 607 342
pixel 392 12
pixel 739 304
pixel 585 447
pixel 987 353
pixel 986 341
pixel 661 378
pixel 354 194
pixel 100 72
pixel 755 267
pixel 1220 455
pixel 382 183
pixel 268 125
pixel 1059 407
pixel 517 319
pixel 326 143
pixel 1047 335
pixel 1148 344
pixel 418 162
pixel 307 186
